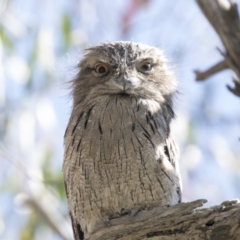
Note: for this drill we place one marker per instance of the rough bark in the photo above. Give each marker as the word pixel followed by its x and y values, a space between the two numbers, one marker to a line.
pixel 224 17
pixel 184 221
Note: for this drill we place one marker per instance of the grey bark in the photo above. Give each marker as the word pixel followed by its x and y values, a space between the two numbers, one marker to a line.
pixel 184 221
pixel 224 17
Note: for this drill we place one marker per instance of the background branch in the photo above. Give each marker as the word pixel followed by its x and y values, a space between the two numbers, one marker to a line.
pixel 212 70
pixel 53 219
pixel 224 17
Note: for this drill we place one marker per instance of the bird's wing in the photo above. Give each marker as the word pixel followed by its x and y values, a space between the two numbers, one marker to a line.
pixel 77 230
pixel 171 151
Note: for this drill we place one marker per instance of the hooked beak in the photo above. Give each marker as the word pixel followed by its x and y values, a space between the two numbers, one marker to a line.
pixel 127 83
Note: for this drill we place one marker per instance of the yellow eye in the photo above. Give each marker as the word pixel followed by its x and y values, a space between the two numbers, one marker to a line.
pixel 145 66
pixel 101 68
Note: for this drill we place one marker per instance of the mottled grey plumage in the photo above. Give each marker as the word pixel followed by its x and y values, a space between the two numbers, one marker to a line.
pixel 119 152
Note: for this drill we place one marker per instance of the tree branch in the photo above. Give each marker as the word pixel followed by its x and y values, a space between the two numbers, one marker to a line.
pixel 216 68
pixel 224 17
pixel 236 89
pixel 54 220
pixel 180 222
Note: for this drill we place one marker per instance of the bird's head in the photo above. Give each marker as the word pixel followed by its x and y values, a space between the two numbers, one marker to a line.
pixel 124 68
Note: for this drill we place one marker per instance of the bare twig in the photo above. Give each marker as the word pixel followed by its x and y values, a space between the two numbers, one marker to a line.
pixel 236 89
pixel 200 76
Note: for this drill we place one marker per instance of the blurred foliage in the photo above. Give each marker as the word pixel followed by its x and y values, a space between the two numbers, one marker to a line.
pixel 51 176
pixel 28 230
pixel 66 29
pixel 33 170
pixel 31 63
pixel 5 39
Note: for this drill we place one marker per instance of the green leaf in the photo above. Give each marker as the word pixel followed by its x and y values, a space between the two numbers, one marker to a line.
pixel 66 29
pixel 6 40
pixel 31 226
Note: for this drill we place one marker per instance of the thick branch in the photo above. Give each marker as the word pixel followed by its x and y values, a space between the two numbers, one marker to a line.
pixel 180 222
pixel 223 15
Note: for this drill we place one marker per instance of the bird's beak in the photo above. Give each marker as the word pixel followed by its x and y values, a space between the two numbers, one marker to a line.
pixel 127 83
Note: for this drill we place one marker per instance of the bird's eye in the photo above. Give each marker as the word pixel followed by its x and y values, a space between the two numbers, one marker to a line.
pixel 145 66
pixel 101 69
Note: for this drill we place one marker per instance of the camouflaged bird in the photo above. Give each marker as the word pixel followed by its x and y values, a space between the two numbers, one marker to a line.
pixel 119 152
